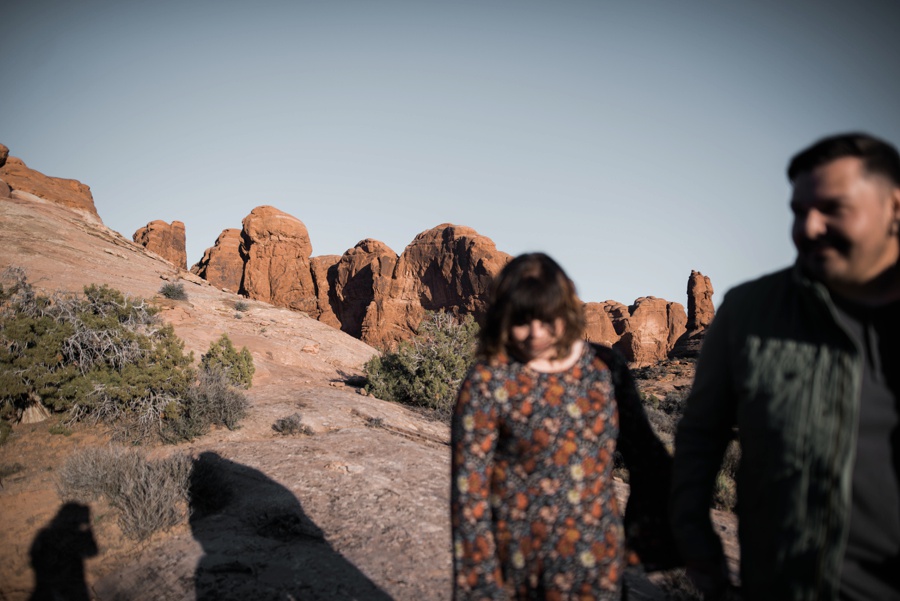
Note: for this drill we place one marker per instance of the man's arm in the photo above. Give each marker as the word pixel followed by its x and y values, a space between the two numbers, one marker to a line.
pixel 700 442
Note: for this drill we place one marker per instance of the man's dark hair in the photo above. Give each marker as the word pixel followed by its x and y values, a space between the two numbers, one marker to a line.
pixel 878 157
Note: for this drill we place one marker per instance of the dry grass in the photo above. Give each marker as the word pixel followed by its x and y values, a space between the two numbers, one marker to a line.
pixel 149 495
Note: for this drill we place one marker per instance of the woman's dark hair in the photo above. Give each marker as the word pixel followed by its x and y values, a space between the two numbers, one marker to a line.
pixel 531 286
pixel 878 157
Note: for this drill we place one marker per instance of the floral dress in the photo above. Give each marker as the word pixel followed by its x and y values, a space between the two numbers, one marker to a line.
pixel 533 510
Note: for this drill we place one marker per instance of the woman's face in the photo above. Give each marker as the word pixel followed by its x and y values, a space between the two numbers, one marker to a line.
pixel 537 339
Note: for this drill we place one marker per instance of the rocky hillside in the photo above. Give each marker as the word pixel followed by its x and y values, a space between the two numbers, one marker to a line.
pixel 346 511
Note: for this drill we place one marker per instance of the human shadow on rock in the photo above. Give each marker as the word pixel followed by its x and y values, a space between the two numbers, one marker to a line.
pixel 259 544
pixel 58 553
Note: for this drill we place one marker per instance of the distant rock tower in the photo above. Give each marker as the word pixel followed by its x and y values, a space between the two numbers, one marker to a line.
pixel 700 315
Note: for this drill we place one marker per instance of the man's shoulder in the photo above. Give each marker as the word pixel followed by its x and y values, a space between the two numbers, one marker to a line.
pixel 763 287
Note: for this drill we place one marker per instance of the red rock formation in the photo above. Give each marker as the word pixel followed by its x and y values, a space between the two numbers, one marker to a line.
pixel 168 241
pixel 700 314
pixel 276 249
pixel 222 265
pixel 651 331
pixel 4 154
pixel 324 272
pixel 700 305
pixel 67 192
pixel 618 315
pixel 598 325
pixel 364 272
pixel 445 268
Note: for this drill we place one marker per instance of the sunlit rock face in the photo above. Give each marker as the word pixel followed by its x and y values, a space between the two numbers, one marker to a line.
pixel 276 250
pixel 222 264
pixel 166 240
pixel 66 192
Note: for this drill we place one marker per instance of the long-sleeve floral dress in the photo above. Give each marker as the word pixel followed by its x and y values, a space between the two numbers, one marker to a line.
pixel 533 509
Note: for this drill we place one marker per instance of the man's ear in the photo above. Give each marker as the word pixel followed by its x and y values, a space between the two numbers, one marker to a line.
pixel 895 206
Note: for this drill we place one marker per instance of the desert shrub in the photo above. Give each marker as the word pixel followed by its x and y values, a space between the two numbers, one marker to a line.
pixel 173 291
pixel 148 495
pixel 664 415
pixel 427 370
pixel 211 401
pixel 291 425
pixel 241 306
pixel 236 365
pixel 725 491
pixel 99 353
pixel 105 357
pixel 9 470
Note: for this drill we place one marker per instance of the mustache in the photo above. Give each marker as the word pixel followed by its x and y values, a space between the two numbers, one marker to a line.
pixel 837 243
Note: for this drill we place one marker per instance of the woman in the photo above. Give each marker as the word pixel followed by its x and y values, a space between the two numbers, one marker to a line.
pixel 536 424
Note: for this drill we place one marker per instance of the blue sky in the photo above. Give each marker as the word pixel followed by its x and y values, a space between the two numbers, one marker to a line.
pixel 632 141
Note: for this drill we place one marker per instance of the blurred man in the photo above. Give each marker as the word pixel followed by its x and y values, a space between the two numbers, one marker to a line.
pixel 805 363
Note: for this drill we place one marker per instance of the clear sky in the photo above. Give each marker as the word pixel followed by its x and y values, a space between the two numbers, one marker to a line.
pixel 632 141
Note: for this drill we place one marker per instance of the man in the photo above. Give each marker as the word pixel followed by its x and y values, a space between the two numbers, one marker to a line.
pixel 805 363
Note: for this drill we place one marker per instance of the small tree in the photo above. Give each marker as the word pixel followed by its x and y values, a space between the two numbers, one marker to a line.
pixel 427 370
pixel 237 365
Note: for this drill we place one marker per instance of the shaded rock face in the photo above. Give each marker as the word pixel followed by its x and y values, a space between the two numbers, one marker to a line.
pixel 4 154
pixel 700 315
pixel 222 264
pixel 168 241
pixel 363 272
pixel 66 192
pixel 651 330
pixel 599 326
pixel 276 249
pixel 700 305
pixel 448 267
pixel 324 272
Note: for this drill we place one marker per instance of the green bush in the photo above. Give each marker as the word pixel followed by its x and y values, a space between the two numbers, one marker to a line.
pixel 173 291
pixel 105 357
pixel 99 354
pixel 148 495
pixel 236 365
pixel 291 426
pixel 427 370
pixel 241 306
pixel 212 400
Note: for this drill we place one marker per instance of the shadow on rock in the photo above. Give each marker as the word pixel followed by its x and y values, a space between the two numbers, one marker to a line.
pixel 259 544
pixel 58 553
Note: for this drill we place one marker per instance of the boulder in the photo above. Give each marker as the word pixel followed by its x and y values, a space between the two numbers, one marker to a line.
pixel 66 192
pixel 324 272
pixel 222 265
pixel 168 241
pixel 653 327
pixel 447 268
pixel 276 250
pixel 4 154
pixel 363 272
pixel 598 325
